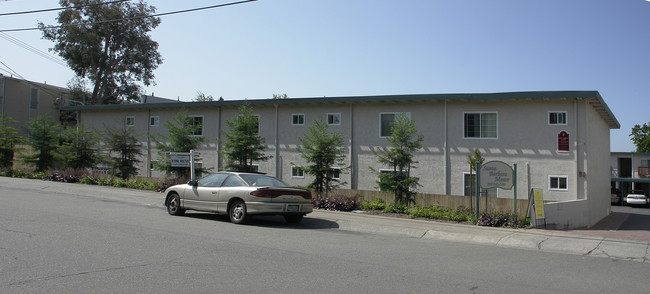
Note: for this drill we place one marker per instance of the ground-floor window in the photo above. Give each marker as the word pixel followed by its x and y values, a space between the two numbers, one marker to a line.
pixel 558 183
pixel 297 172
pixel 469 187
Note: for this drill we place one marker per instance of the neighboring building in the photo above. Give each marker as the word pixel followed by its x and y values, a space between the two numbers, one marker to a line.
pixel 559 140
pixel 25 100
pixel 630 171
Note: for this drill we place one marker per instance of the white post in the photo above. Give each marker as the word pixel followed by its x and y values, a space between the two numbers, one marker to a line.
pixel 192 176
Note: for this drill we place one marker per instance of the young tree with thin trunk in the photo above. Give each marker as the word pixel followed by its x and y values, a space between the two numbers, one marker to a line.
pixel 43 134
pixel 183 136
pixel 404 141
pixel 323 151
pixel 8 139
pixel 124 149
pixel 243 144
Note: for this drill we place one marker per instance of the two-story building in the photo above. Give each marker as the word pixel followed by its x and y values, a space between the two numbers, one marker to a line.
pixel 558 139
pixel 630 171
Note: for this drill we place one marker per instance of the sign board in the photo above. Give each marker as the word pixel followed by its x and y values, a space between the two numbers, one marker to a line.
pixel 563 141
pixel 179 159
pixel 496 174
pixel 539 203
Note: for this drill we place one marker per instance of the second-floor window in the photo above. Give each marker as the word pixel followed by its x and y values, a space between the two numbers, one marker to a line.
pixel 130 121
pixel 334 119
pixel 298 119
pixel 480 125
pixel 557 118
pixel 154 121
pixel 197 122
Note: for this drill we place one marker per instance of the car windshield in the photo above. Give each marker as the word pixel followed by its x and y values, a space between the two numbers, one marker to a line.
pixel 262 180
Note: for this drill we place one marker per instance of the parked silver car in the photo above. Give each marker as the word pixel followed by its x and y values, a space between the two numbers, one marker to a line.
pixel 637 197
pixel 240 195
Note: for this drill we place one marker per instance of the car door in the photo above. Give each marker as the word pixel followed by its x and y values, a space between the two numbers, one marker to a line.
pixel 206 192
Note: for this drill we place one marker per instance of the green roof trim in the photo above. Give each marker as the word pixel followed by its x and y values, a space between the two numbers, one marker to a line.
pixel 593 97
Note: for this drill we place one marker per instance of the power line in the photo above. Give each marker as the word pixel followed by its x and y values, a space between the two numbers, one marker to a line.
pixel 32 49
pixel 132 18
pixel 60 8
pixel 44 89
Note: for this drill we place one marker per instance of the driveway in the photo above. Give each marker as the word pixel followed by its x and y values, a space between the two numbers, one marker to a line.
pixel 625 223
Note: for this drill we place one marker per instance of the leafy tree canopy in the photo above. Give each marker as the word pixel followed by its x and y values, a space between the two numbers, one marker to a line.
pixel 201 97
pixel 108 44
pixel 641 137
pixel 323 150
pixel 243 144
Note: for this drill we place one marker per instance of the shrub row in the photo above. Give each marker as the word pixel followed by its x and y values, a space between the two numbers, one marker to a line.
pixel 340 204
pixel 445 213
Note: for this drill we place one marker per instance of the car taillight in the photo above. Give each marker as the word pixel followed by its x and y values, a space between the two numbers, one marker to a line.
pixel 276 193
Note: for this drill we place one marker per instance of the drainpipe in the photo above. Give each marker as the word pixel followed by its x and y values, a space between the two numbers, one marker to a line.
pixel 148 163
pixel 445 153
pixel 353 159
pixel 577 148
pixel 278 173
pixel 219 140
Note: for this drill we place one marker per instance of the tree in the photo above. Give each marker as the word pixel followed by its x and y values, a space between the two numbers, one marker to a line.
pixel 641 137
pixel 79 148
pixel 243 143
pixel 108 43
pixel 8 139
pixel 43 134
pixel 323 151
pixel 280 96
pixel 404 141
pixel 472 160
pixel 201 97
pixel 182 137
pixel 124 143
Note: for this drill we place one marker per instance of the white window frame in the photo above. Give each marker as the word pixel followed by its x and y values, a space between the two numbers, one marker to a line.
pixel 256 167
pixel 480 113
pixel 338 171
pixel 297 172
pixel 129 121
pixel 202 123
pixel 408 114
pixel 566 118
pixel 558 177
pixel 154 121
pixel 299 116
pixel 338 115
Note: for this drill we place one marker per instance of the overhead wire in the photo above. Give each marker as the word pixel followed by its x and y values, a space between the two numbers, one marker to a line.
pixel 132 18
pixel 60 8
pixel 32 49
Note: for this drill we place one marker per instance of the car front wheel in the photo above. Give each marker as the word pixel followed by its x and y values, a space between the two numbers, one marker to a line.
pixel 237 212
pixel 174 205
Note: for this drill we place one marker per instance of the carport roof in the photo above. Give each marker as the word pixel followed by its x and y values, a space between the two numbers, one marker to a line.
pixel 592 97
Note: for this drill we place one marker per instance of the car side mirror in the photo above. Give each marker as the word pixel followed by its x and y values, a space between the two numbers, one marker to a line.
pixel 193 183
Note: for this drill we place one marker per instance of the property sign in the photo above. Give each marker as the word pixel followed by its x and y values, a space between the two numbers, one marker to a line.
pixel 180 159
pixel 496 174
pixel 539 203
pixel 563 141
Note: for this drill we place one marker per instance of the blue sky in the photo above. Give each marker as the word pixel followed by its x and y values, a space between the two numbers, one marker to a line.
pixel 316 48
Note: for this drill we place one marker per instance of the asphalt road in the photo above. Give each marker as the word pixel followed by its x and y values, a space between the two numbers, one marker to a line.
pixel 80 239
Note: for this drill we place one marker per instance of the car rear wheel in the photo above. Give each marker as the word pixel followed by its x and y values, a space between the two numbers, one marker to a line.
pixel 293 219
pixel 174 205
pixel 237 212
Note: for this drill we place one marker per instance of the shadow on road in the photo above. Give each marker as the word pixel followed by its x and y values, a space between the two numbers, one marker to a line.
pixel 276 222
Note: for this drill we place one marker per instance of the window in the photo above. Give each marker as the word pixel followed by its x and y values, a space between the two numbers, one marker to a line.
pixel 213 180
pixel 130 121
pixel 33 101
pixel 197 122
pixel 645 162
pixel 154 121
pixel 469 188
pixel 298 119
pixel 334 119
pixel 558 183
pixel 385 121
pixel 481 125
pixel 336 173
pixel 233 181
pixel 557 118
pixel 297 172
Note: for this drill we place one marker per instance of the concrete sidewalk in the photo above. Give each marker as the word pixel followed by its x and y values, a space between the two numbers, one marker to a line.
pixel 568 242
pixel 602 241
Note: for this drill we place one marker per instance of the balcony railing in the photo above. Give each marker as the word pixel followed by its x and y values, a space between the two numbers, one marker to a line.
pixel 644 172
